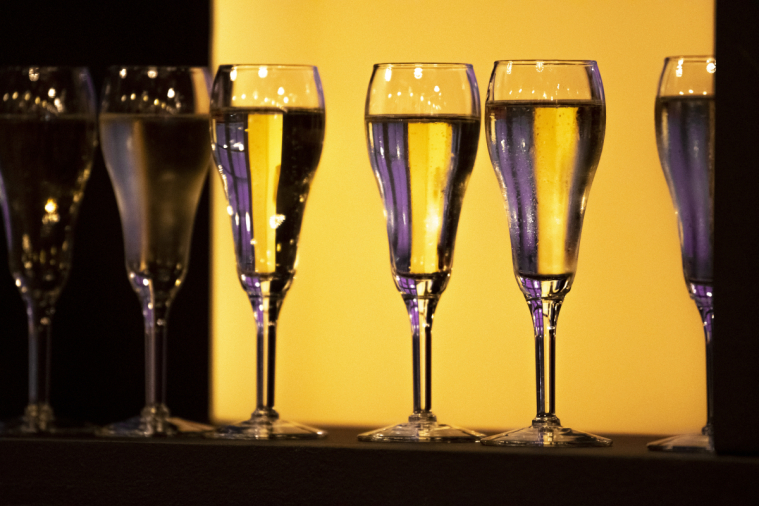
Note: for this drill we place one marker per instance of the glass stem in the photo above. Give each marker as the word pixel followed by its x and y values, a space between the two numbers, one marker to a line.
pixel 421 311
pixel 703 296
pixel 155 311
pixel 545 313
pixel 40 317
pixel 266 309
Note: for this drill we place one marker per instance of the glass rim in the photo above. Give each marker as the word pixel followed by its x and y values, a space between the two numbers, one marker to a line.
pixel 281 66
pixel 546 62
pixel 691 58
pixel 412 65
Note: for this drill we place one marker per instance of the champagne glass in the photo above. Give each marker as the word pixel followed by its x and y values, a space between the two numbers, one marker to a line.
pixel 422 130
pixel 268 131
pixel 47 143
pixel 685 138
pixel 155 140
pixel 545 123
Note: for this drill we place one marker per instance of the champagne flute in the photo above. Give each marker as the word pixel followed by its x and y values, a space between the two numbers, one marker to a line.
pixel 268 131
pixel 685 138
pixel 155 140
pixel 545 123
pixel 47 143
pixel 422 129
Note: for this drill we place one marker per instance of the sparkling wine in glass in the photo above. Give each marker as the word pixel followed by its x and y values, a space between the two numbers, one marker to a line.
pixel 422 129
pixel 156 144
pixel 545 123
pixel 685 137
pixel 268 131
pixel 48 137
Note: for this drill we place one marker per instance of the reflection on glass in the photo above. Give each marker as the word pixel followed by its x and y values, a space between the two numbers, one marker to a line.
pixel 46 151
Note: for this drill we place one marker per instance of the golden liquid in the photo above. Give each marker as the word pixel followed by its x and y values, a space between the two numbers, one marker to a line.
pixel 157 165
pixel 555 151
pixel 429 166
pixel 265 162
pixel 545 156
pixel 422 165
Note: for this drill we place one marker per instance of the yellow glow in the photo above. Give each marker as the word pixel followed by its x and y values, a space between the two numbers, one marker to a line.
pixel 555 144
pixel 630 349
pixel 51 206
pixel 265 161
pixel 429 159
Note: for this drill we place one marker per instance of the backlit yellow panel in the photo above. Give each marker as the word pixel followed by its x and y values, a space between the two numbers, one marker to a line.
pixel 265 162
pixel 429 160
pixel 556 147
pixel 630 350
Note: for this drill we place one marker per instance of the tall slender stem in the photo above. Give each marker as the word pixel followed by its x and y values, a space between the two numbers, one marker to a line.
pixel 421 312
pixel 155 311
pixel 266 309
pixel 704 299
pixel 39 414
pixel 155 314
pixel 545 313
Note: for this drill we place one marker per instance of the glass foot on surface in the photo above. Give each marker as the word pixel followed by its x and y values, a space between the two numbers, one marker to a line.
pixel 684 443
pixel 263 427
pixel 546 435
pixel 154 422
pixel 39 420
pixel 422 429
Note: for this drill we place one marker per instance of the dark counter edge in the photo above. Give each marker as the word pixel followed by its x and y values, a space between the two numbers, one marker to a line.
pixel 340 470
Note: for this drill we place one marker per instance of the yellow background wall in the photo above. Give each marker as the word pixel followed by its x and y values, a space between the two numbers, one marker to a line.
pixel 630 345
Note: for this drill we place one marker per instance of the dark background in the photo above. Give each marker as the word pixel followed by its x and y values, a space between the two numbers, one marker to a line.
pixel 98 343
pixel 736 241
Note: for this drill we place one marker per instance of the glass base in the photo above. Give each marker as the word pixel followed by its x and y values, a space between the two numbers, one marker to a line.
pixel 421 429
pixel 39 420
pixel 684 443
pixel 154 421
pixel 265 425
pixel 549 435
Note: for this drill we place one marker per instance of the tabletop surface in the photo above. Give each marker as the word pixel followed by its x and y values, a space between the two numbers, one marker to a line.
pixel 341 470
